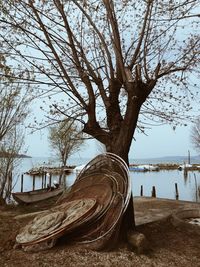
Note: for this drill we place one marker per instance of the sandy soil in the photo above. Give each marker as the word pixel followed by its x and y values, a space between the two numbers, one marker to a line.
pixel 169 246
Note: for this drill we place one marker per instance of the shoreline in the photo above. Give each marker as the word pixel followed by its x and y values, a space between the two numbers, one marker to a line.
pixel 41 170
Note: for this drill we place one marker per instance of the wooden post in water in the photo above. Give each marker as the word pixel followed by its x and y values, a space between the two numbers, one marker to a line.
pixel 176 191
pixel 45 179
pixel 188 156
pixel 141 191
pixel 50 176
pixel 153 193
pixel 22 182
pixel 42 180
pixel 33 182
pixel 196 187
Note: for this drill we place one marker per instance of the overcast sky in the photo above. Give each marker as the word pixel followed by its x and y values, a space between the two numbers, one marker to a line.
pixel 161 141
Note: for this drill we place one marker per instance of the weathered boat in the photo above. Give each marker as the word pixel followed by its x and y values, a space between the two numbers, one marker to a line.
pixel 143 168
pixel 36 195
pixel 136 168
pixel 90 213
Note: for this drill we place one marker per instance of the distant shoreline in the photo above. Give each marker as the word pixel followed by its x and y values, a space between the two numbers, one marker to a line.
pixel 167 159
pixel 6 155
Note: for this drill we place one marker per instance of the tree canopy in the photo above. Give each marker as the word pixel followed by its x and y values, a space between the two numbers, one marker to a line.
pixel 65 139
pixel 117 64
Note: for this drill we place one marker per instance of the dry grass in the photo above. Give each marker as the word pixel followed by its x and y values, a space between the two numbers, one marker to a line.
pixel 169 246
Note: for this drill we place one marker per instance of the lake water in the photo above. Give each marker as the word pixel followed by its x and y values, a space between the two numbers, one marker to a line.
pixel 164 181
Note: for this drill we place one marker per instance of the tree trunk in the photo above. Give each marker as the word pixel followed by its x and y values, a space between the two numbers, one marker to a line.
pixel 120 145
pixel 128 220
pixel 118 141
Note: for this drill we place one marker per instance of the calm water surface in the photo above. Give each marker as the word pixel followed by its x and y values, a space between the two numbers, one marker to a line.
pixel 164 181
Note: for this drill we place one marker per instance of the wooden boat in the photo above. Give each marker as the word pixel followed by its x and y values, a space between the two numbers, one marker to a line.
pixel 137 168
pixel 143 168
pixel 90 213
pixel 36 195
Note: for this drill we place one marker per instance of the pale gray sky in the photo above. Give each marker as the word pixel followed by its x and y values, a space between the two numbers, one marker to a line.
pixel 161 141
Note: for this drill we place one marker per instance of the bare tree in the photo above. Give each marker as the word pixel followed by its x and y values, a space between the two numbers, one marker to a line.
pixel 12 112
pixel 120 63
pixel 14 108
pixel 10 147
pixel 195 134
pixel 65 139
pixel 112 59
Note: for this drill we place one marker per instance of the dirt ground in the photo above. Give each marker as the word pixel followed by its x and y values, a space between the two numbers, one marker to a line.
pixel 169 245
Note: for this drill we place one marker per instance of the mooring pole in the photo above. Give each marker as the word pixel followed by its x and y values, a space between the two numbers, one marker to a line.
pixel 45 179
pixel 188 156
pixel 33 182
pixel 141 191
pixel 176 190
pixel 22 182
pixel 153 193
pixel 50 176
pixel 42 180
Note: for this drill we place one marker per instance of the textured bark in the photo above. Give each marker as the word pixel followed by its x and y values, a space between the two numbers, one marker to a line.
pixel 119 137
